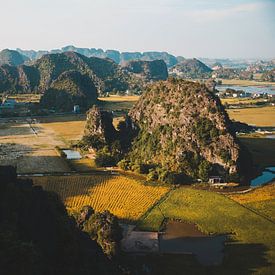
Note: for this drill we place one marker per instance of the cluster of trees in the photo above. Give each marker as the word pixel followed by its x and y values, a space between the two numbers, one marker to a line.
pixel 101 227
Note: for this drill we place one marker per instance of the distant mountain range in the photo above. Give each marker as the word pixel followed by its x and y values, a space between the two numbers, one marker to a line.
pixel 118 57
pixel 12 58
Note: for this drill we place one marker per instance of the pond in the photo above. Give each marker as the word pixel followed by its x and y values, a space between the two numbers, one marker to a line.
pixel 184 238
pixel 248 89
pixel 267 175
pixel 70 154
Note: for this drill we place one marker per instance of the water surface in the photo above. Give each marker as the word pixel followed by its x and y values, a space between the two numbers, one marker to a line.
pixel 249 89
pixel 267 175
pixel 184 238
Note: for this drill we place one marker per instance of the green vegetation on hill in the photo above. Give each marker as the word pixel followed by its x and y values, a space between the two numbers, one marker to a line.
pixel 148 70
pixel 107 75
pixel 184 132
pixel 69 89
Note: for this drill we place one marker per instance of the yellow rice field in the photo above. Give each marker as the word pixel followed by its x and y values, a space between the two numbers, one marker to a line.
pixel 259 194
pixel 263 116
pixel 125 197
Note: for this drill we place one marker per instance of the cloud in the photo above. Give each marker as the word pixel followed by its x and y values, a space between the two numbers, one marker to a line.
pixel 218 14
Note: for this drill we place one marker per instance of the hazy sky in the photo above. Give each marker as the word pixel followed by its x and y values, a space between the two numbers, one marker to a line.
pixel 191 28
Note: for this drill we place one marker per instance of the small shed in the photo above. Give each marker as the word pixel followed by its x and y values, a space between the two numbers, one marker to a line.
pixel 215 179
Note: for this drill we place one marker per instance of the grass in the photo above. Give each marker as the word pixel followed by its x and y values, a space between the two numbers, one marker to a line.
pixel 261 116
pixel 125 197
pixel 214 213
pixel 266 208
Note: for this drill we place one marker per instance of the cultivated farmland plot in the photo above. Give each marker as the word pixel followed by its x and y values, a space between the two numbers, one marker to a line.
pixel 125 197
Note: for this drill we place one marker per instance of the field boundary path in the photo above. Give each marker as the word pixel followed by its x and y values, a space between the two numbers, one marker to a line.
pixel 253 211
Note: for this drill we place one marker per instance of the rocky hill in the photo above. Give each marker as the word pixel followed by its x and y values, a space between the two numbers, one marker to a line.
pixel 12 58
pixel 185 130
pixel 38 76
pixel 99 127
pixel 269 75
pixel 69 89
pixel 19 79
pixel 147 70
pixel 116 56
pixel 191 68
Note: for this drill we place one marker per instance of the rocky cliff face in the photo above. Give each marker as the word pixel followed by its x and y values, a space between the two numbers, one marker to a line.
pixel 99 126
pixel 184 128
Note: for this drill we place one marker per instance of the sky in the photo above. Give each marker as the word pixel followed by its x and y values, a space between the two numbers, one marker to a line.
pixel 190 28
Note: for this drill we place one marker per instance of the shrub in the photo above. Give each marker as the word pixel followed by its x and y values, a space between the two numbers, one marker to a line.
pixel 104 159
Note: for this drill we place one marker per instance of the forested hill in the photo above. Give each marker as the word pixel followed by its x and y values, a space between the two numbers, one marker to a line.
pixel 191 68
pixel 184 129
pixel 39 75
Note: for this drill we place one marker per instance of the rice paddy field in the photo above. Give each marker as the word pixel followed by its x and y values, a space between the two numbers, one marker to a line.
pixel 251 247
pixel 125 197
pixel 262 200
pixel 246 82
pixel 66 128
pixel 259 116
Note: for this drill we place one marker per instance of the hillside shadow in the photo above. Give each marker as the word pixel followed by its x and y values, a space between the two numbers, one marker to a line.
pixel 16 131
pixel 261 149
pixel 239 259
pixel 28 164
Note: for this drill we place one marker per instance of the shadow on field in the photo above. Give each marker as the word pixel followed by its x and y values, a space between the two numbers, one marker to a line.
pixel 40 164
pixel 16 131
pixel 239 258
pixel 242 258
pixel 261 149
